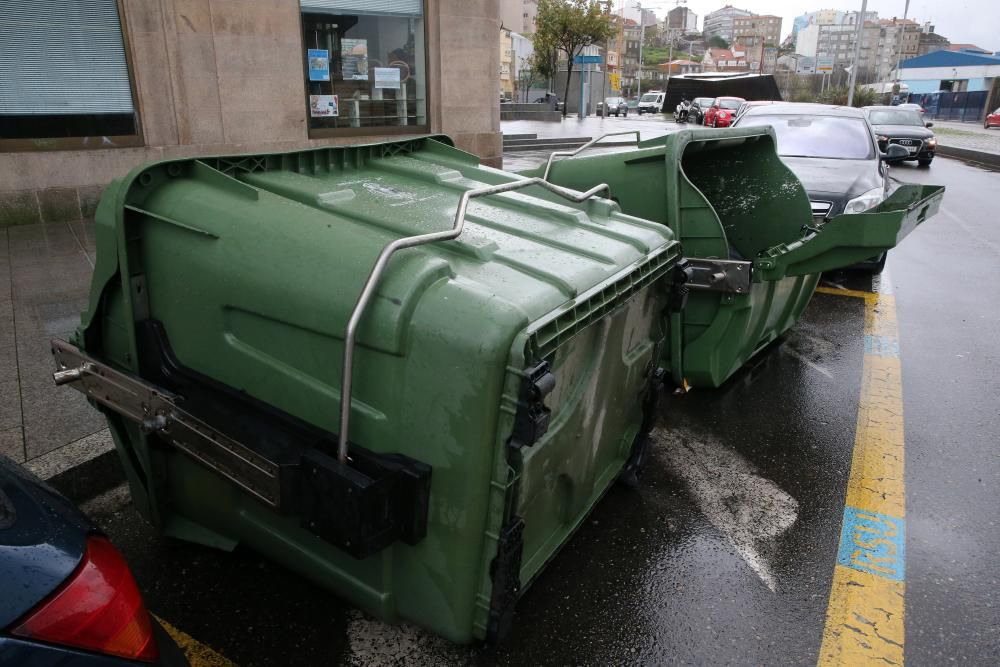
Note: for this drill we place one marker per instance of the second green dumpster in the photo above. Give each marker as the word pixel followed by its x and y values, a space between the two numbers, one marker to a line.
pixel 746 226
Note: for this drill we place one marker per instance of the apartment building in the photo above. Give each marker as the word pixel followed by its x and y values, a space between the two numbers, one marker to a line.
pixel 757 29
pixel 721 22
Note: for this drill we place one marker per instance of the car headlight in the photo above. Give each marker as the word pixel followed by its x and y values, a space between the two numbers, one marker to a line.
pixel 931 143
pixel 882 138
pixel 867 201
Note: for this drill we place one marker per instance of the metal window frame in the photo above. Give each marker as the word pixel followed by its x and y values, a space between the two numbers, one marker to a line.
pixel 374 130
pixel 87 143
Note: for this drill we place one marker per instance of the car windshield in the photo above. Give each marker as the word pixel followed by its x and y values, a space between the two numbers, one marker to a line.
pixel 649 97
pixel 612 100
pixel 833 137
pixel 894 117
pixel 730 104
pixel 704 101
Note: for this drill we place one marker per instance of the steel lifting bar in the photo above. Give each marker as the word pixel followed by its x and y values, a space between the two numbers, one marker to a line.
pixel 548 165
pixel 409 242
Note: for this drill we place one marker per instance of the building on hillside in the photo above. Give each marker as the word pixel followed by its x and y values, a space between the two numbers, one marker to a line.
pixel 899 39
pixel 834 44
pixel 507 72
pixel 234 77
pixel 720 22
pixel 953 71
pixel 519 15
pixel 819 17
pixel 757 29
pixel 680 21
pixel 629 50
pixel 828 17
pixel 931 42
pixel 796 64
pixel 724 60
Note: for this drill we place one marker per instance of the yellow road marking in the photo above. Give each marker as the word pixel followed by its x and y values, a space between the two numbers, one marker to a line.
pixel 864 619
pixel 198 654
pixel 869 296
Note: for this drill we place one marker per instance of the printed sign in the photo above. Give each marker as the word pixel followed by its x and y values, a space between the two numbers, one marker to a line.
pixel 354 54
pixel 321 106
pixel 319 64
pixel 824 65
pixel 387 77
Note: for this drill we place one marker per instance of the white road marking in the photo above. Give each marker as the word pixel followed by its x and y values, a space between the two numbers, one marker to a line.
pixel 744 506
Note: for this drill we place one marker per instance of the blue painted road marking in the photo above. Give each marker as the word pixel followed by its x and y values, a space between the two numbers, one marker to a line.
pixel 873 542
pixel 882 346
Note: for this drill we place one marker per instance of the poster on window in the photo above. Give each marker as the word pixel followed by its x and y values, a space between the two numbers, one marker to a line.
pixel 319 65
pixel 324 106
pixel 387 77
pixel 354 56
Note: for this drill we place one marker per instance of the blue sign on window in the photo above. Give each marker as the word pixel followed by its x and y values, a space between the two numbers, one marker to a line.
pixel 319 64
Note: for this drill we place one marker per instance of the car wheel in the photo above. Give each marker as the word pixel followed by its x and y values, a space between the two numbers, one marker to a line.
pixel 986 125
pixel 925 162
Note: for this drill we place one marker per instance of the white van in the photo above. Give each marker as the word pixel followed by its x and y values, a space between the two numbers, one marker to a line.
pixel 651 102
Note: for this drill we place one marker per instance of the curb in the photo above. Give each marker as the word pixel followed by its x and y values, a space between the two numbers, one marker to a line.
pixel 83 469
pixel 982 157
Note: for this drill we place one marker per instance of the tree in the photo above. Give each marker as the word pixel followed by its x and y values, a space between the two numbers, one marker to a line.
pixel 570 26
pixel 718 42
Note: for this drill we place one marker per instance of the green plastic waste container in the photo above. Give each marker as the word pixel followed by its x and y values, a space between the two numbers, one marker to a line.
pixel 746 226
pixel 501 376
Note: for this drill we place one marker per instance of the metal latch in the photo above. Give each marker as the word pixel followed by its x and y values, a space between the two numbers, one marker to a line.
pixel 156 410
pixel 532 418
pixel 718 275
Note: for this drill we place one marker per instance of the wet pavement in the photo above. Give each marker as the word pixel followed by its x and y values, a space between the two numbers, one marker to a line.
pixel 725 552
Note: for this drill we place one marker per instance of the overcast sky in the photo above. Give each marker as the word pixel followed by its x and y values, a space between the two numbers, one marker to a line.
pixel 966 21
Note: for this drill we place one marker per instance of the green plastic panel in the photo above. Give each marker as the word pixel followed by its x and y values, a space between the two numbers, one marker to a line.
pixel 726 194
pixel 253 264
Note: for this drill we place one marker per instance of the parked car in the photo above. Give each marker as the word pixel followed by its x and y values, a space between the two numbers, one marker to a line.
pixel 651 102
pixel 832 150
pixel 906 128
pixel 911 105
pixel 992 120
pixel 748 105
pixel 699 106
pixel 66 593
pixel 617 106
pixel 722 113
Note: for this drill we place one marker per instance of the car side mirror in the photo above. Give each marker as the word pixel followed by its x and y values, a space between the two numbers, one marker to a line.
pixel 928 124
pixel 895 153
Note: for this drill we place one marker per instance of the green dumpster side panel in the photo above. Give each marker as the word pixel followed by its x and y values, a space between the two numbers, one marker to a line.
pixel 727 195
pixel 253 263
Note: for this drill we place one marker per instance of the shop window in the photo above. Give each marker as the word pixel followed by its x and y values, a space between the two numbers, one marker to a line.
pixel 64 76
pixel 365 65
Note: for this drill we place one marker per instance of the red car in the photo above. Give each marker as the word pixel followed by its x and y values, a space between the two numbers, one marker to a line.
pixel 722 113
pixel 992 120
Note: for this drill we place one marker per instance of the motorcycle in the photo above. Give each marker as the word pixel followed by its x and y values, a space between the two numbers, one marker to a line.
pixel 681 113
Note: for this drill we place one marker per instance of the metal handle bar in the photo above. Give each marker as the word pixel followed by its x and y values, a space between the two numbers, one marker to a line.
pixel 408 242
pixel 548 165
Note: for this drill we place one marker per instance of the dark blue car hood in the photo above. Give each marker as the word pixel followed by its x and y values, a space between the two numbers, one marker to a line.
pixel 42 539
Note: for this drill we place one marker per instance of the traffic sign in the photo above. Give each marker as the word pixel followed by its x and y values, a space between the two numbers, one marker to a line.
pixel 583 60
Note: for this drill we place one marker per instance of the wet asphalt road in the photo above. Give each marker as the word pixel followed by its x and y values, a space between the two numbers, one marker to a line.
pixel 654 576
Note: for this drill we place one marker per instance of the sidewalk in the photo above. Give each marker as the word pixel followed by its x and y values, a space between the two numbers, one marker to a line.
pixel 45 274
pixel 968 138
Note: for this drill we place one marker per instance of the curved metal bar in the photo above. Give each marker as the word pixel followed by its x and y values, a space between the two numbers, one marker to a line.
pixel 552 158
pixel 409 242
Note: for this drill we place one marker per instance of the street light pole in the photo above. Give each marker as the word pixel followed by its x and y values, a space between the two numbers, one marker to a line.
pixel 857 54
pixel 642 38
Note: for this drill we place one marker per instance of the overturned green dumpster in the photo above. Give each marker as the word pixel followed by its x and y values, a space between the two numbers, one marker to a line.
pixel 403 375
pixel 754 253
